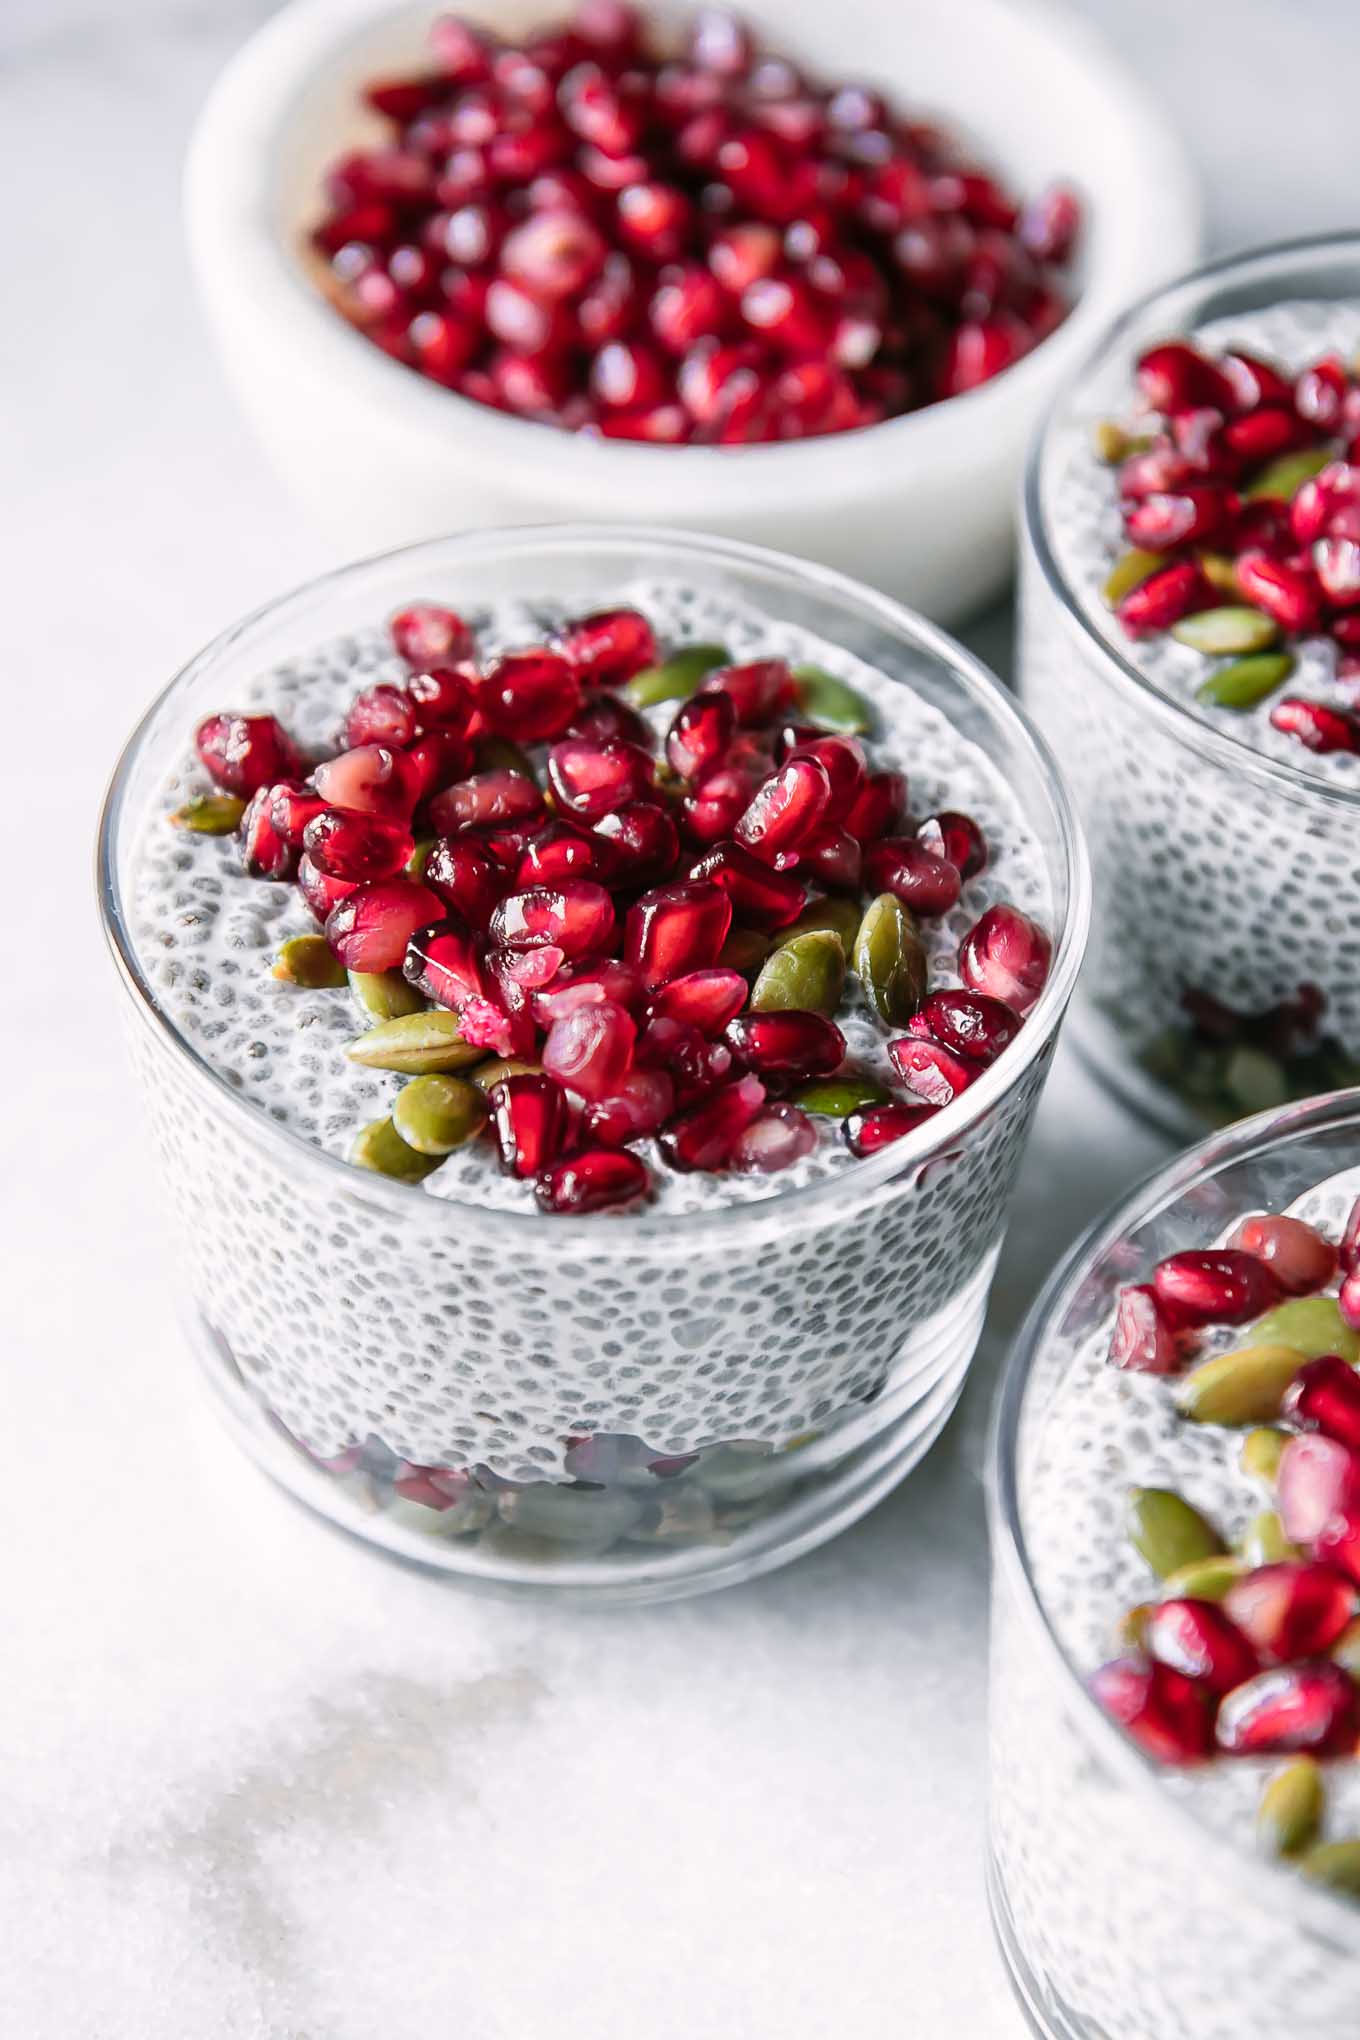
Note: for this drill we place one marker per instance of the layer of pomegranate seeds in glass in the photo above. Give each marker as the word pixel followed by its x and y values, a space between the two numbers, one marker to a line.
pixel 599 893
pixel 1212 527
pixel 1192 1512
pixel 684 239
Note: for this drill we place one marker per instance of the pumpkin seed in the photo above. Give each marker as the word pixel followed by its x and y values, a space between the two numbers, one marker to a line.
pixel 745 950
pixel 677 678
pixel 1254 1080
pixel 414 1044
pixel 1109 441
pixel 838 1097
pixel 487 1075
pixel 1259 1458
pixel 1263 1542
pixel 1130 1631
pixel 1129 571
pixel 1231 628
pixel 501 754
pixel 890 960
pixel 1241 1387
pixel 1312 1325
pixel 1220 571
pixel 1286 475
pixel 832 702
pixel 806 975
pixel 309 961
pixel 384 995
pixel 840 915
pixel 436 1114
pixel 378 1146
pixel 210 814
pixel 1203 1579
pixel 1168 1532
pixel 1246 681
pixel 1334 1863
pixel 1346 1649
pixel 1291 1809
pixel 414 866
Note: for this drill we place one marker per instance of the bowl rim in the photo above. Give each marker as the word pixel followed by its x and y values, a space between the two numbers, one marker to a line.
pixel 784 1210
pixel 1326 1913
pixel 1232 753
pixel 229 179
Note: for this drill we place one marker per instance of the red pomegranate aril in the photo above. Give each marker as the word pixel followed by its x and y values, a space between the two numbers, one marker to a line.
pixel 1290 597
pixel 1198 1640
pixel 659 424
pixel 706 999
pixel 743 253
pixel 380 715
pixel 588 982
pixel 1317 1484
pixel 1295 1708
pixel 590 1049
pixel 466 878
pixel 370 927
pixel 933 1074
pixel 1164 598
pixel 291 807
pixel 1319 728
pixel 1215 1286
pixel 695 1066
pixel 594 1179
pixel 443 695
pixel 1145 1339
pixel 576 916
pixel 832 858
pixel 1173 376
pixel 842 759
pixel 787 1044
pixel 1348 1300
pixel 878 1126
pixel 1252 382
pixel 676 929
pixel 591 778
pixel 609 646
pixel 1325 1396
pixel 603 717
pixel 1006 956
pixel 320 892
pixel 1297 1254
pixel 374 780
pixel 346 844
pixel 878 807
pixel 1262 434
pixel 929 885
pixel 705 1137
pixel 787 809
pixel 265 851
pixel 530 696
pixel 656 220
pixel 626 376
pixel 643 839
pixel 1320 392
pixel 756 691
pixel 445 961
pixel 485 801
pixel 529 1120
pixel 776 1139
pixel 1290 1610
pixel 1159 470
pixel 969 1023
pixel 608 309
pixel 700 734
pixel 957 838
pixel 761 896
pixel 686 306
pixel 242 753
pixel 1160 522
pixel 1336 562
pixel 1169 1716
pixel 637 1110
pixel 553 253
pixel 438 760
pixel 563 850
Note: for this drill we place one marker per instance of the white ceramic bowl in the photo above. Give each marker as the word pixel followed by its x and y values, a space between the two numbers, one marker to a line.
pixel 920 505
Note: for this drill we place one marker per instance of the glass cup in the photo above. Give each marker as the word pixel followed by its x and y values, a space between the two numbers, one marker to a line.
pixel 631 1405
pixel 1121 1913
pixel 1223 974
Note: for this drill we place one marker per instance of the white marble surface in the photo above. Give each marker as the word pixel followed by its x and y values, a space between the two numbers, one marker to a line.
pixel 252 1782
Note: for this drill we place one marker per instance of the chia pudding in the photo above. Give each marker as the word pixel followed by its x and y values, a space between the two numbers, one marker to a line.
pixel 482 1249
pixel 1190 629
pixel 1180 1473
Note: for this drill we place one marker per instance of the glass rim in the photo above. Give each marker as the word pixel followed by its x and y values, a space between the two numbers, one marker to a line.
pixel 1234 754
pixel 1327 1913
pixel 626 1231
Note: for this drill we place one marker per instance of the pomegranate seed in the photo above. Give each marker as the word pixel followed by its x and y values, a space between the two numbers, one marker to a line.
pixel 1253 382
pixel 706 999
pixel 373 780
pixel 1006 956
pixel 426 635
pixel 696 1066
pixel 741 255
pixel 637 1110
pixel 442 696
pixel 1262 434
pixel 929 885
pixel 608 647
pixel 833 859
pixel 932 1073
pixel 719 42
pixel 760 896
pixel 1198 1640
pixel 607 310
pixel 1325 1396
pixel 576 916
pixel 1297 1255
pixel 1290 1610
pixel 444 960
pixel 604 716
pixel 878 1126
pixel 686 306
pixel 1291 597
pixel 265 851
pixel 291 807
pixel 1320 392
pixel 466 878
pixel 438 760
pixel 879 806
pixel 643 838
pixel 676 929
pixel 1169 1716
pixel 242 753
pixel 1216 1285
pixel 1174 376
pixel 662 424
pixel 957 839
pixel 585 983
pixel 1048 225
pixel 1164 598
pixel 530 696
pixel 380 715
pixel 529 1121
pixel 700 734
pixel 1318 1483
pixel 1348 1252
pixel 756 691
pixel 711 810
pixel 553 254
pixel 370 927
pixel 1160 522
pixel 592 778
pixel 346 844
pixel 970 1024
pixel 590 1049
pixel 842 759
pixel 595 1179
pixel 1320 728
pixel 1307 1707
pixel 786 810
pixel 1146 1340
pixel 486 800
pixel 780 1136
pixel 626 376
pixel 656 220
pixel 1159 470
pixel 787 1044
pixel 705 1137
pixel 321 893
pixel 560 851
pixel 1348 1300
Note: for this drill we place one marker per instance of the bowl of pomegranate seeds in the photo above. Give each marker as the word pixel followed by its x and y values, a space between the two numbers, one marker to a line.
pixel 591 1016
pixel 676 266
pixel 1175 1512
pixel 1191 645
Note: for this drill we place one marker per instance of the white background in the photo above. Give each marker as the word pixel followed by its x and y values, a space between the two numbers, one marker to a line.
pixel 252 1781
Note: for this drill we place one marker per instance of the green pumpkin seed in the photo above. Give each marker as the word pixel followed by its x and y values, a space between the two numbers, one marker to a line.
pixel 1231 628
pixel 384 995
pixel 1291 1809
pixel 838 1097
pixel 1246 681
pixel 1110 442
pixel 414 1044
pixel 1259 1458
pixel 677 678
pixel 1130 1631
pixel 1254 1080
pixel 436 1114
pixel 1336 1864
pixel 806 975
pixel 210 814
pixel 1346 1649
pixel 487 1075
pixel 1312 1325
pixel 836 912
pixel 1129 571
pixel 1203 1579
pixel 1241 1387
pixel 832 702
pixel 1168 1532
pixel 414 866
pixel 378 1146
pixel 1263 1542
pixel 890 960
pixel 501 754
pixel 1220 571
pixel 1286 475
pixel 309 961
pixel 745 950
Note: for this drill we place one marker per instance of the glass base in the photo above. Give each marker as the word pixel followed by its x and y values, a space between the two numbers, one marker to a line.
pixel 1045 2019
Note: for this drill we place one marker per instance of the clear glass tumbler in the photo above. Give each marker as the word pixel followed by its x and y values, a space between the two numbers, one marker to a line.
pixel 1220 873
pixel 629 1405
pixel 1122 1914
